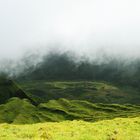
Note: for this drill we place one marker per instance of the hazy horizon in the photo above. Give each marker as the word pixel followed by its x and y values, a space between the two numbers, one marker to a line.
pixel 81 26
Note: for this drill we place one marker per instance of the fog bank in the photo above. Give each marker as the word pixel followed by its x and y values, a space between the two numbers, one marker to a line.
pixel 82 26
pixel 96 30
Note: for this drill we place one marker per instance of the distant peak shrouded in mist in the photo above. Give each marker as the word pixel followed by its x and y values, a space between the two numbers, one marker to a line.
pixel 39 58
pixel 88 32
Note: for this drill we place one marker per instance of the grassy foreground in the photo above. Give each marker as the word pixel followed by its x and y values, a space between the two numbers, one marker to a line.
pixel 116 129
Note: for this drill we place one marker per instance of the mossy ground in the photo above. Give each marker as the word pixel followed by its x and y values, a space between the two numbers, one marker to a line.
pixel 116 129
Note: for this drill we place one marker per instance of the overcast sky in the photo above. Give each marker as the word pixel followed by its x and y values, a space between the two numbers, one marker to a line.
pixel 80 25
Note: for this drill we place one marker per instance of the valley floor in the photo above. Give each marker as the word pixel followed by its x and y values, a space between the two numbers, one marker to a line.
pixel 116 129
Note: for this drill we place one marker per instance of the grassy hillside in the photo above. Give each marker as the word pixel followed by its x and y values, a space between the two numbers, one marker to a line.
pixel 82 110
pixel 58 101
pixel 21 111
pixel 116 129
pixel 96 92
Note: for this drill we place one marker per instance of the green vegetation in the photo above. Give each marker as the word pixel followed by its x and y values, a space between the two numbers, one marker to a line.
pixel 21 111
pixel 58 101
pixel 9 89
pixel 68 110
pixel 95 92
pixel 116 129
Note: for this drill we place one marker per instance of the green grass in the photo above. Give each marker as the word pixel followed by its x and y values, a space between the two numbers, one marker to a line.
pixel 68 111
pixel 21 111
pixel 116 129
pixel 96 92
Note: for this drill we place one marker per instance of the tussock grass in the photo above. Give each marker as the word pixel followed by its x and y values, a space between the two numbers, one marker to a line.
pixel 116 129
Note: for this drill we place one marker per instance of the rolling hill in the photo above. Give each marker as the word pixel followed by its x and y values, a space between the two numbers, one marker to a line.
pixel 58 110
pixel 22 111
pixel 95 92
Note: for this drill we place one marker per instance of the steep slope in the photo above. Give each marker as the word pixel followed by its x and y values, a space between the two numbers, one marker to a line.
pixel 9 89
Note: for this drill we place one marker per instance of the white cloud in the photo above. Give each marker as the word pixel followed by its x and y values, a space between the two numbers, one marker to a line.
pixel 83 25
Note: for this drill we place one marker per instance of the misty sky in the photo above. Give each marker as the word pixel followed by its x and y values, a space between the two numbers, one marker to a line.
pixel 80 25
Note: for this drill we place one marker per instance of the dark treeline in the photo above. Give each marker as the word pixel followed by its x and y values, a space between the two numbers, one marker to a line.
pixel 64 67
